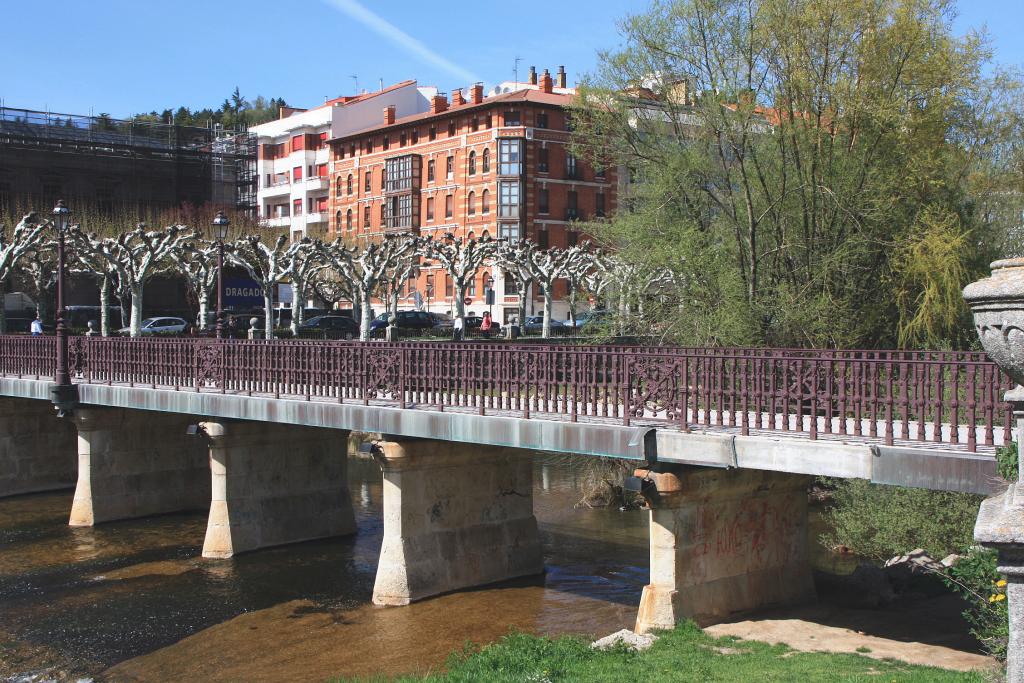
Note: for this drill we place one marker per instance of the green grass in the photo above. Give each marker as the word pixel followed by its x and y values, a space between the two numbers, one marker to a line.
pixel 684 654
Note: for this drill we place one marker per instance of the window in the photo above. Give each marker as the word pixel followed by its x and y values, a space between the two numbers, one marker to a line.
pixel 487 161
pixel 488 122
pixel 321 170
pixel 432 134
pixel 369 181
pixel 337 188
pixel 542 160
pixel 366 216
pixel 472 163
pixel 296 174
pixel 599 205
pixel 599 173
pixel 352 150
pixel 572 205
pixel 387 142
pixel 449 206
pixel 309 171
pixel 568 121
pixel 383 178
pixel 297 207
pixel 512 118
pixel 401 139
pixel 383 214
pixel 430 209
pixel 400 212
pixel 348 219
pixel 510 156
pixel 297 141
pixel 348 184
pixel 542 200
pixel 337 220
pixel 448 288
pixel 449 167
pixel 471 287
pixel 571 170
pixel 542 238
pixel 415 135
pixel 474 123
pixel 451 128
pixel 542 119
pixel 430 171
pixel 471 204
pixel 399 172
pixel 485 202
pixel 368 146
pixel 509 231
pixel 508 199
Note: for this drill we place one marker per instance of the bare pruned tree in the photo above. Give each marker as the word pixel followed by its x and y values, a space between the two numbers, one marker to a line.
pixel 268 265
pixel 27 234
pixel 461 259
pixel 197 263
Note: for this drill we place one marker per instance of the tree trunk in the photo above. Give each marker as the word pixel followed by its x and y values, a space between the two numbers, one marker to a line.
pixel 394 300
pixel 364 315
pixel 297 308
pixel 524 292
pixel 572 305
pixel 268 313
pixel 136 324
pixel 460 303
pixel 105 305
pixel 548 302
pixel 204 307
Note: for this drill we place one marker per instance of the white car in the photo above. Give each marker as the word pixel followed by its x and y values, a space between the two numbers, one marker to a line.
pixel 158 326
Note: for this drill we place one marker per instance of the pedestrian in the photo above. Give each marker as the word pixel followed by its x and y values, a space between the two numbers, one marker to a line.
pixel 485 325
pixel 37 327
pixel 458 328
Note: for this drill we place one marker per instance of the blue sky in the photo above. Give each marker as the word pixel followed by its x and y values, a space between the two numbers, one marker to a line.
pixel 124 57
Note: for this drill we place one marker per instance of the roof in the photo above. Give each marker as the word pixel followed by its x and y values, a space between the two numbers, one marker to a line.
pixel 516 96
pixel 349 99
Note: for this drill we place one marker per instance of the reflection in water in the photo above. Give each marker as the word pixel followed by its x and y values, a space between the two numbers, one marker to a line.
pixel 136 592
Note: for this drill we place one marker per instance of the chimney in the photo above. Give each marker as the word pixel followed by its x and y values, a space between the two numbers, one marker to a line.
pixel 457 98
pixel 476 93
pixel 533 75
pixel 389 114
pixel 438 103
pixel 545 81
pixel 560 83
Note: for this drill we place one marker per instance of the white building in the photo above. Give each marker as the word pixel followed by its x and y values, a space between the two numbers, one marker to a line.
pixel 293 157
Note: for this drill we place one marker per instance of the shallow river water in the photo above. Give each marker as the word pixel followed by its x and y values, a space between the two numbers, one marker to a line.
pixel 133 601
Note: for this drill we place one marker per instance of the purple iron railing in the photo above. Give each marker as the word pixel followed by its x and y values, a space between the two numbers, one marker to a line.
pixel 952 398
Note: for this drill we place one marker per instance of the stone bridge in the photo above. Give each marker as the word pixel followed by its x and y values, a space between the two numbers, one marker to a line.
pixel 724 440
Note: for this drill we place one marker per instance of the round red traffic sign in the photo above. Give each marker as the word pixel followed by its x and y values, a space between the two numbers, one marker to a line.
pixel 468 300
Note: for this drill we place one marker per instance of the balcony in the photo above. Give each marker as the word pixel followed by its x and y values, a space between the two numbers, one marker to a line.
pixel 278 222
pixel 318 183
pixel 276 188
pixel 316 217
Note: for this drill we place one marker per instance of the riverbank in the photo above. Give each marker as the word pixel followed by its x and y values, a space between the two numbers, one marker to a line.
pixel 684 654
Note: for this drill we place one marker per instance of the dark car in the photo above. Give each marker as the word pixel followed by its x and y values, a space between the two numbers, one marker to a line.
pixel 473 323
pixel 406 320
pixel 535 325
pixel 330 327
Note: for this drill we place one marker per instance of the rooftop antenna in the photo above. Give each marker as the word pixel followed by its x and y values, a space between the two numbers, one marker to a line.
pixel 356 79
pixel 515 69
pixel 381 83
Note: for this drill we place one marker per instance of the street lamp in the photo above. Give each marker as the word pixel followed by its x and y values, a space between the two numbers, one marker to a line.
pixel 220 230
pixel 430 288
pixel 63 395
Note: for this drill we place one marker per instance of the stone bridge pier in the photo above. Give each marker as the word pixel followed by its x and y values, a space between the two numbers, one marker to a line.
pixel 135 463
pixel 723 541
pixel 455 516
pixel 275 484
pixel 37 449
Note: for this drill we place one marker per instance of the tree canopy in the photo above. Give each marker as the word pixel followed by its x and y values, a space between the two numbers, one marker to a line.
pixel 814 172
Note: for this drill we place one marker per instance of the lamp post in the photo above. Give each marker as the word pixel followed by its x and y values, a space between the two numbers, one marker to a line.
pixel 220 229
pixel 430 288
pixel 63 394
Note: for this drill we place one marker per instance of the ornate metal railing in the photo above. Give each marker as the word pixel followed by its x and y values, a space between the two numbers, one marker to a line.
pixel 952 398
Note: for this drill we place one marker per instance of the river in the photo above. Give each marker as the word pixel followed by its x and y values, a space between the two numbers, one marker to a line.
pixel 133 601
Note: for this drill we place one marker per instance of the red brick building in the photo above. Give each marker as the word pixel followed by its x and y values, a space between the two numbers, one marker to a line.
pixel 474 166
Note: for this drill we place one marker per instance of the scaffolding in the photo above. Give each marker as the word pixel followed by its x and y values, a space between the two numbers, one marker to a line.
pixel 224 159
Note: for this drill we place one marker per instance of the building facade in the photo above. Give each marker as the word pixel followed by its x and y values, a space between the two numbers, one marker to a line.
pixel 293 157
pixel 496 166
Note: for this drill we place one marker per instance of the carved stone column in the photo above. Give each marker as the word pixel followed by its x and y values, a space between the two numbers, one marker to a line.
pixel 998 306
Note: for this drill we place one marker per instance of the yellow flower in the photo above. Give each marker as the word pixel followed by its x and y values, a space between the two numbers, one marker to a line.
pixel 991 598
pixel 1000 597
pixel 1001 582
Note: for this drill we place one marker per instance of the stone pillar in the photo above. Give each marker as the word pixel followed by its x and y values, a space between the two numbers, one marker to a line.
pixel 275 484
pixel 134 463
pixel 455 515
pixel 37 449
pixel 723 541
pixel 1000 526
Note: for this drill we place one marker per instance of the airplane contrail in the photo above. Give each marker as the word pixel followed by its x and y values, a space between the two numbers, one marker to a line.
pixel 401 38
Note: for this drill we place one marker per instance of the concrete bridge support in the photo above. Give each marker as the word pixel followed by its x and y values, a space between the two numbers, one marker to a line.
pixel 275 484
pixel 723 541
pixel 134 463
pixel 455 516
pixel 37 449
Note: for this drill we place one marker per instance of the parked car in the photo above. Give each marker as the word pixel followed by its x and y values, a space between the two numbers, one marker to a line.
pixel 417 321
pixel 158 326
pixel 535 325
pixel 473 323
pixel 589 319
pixel 331 327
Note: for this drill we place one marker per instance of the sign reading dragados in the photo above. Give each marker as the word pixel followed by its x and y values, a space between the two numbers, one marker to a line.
pixel 241 292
